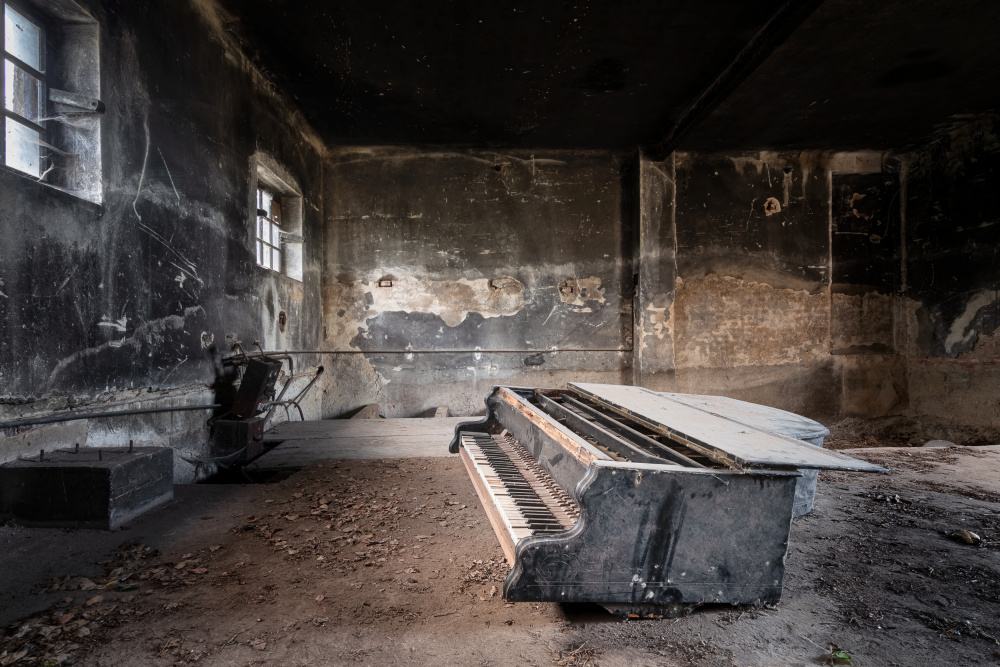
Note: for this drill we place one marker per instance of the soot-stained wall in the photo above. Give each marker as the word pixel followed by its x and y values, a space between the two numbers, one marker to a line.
pixel 115 303
pixel 952 275
pixel 512 254
pixel 778 287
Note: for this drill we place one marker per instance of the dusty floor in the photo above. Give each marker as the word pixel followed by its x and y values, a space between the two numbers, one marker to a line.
pixel 394 562
pixel 904 431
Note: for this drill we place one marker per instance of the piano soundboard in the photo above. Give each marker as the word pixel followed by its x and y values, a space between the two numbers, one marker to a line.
pixel 640 501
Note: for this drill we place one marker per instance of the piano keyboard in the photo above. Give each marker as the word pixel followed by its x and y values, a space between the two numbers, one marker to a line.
pixel 520 497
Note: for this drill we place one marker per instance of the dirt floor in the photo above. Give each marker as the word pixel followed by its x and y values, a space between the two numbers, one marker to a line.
pixel 394 562
pixel 904 431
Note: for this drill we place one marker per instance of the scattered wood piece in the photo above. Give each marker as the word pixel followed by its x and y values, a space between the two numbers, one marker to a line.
pixel 442 411
pixel 370 411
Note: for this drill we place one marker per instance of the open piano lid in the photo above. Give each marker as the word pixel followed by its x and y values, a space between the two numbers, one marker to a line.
pixel 714 433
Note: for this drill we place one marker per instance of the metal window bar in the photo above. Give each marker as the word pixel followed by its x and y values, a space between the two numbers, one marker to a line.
pixel 19 63
pixel 267 235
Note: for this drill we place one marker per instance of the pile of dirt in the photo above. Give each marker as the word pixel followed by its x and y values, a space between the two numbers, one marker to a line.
pixel 903 431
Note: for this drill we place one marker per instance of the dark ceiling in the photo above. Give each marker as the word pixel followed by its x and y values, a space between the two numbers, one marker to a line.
pixel 606 74
pixel 864 75
pixel 584 74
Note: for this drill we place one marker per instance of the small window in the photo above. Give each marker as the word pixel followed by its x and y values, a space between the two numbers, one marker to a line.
pixel 277 236
pixel 23 91
pixel 268 229
pixel 50 128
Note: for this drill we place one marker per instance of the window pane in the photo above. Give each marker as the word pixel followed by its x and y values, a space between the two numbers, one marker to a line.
pixel 21 147
pixel 265 201
pixel 22 38
pixel 258 252
pixel 275 259
pixel 275 235
pixel 22 93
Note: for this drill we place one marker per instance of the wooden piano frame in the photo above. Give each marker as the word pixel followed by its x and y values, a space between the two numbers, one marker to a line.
pixel 689 525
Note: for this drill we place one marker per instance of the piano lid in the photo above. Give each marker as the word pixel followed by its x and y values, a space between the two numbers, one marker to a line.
pixel 717 435
pixel 759 416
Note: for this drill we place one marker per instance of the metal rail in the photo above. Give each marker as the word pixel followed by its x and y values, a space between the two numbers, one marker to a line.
pixel 53 419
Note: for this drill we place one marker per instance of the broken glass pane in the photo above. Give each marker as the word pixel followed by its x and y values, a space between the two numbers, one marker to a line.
pixel 22 38
pixel 22 93
pixel 21 147
pixel 265 201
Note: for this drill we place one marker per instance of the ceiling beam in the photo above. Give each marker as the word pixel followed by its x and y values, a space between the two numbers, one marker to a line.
pixel 774 33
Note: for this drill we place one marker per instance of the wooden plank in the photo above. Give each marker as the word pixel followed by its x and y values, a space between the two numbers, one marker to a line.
pixel 717 436
pixel 371 428
pixel 442 412
pixel 370 411
pixel 295 454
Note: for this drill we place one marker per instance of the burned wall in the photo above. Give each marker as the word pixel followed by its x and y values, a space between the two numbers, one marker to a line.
pixel 116 303
pixel 952 274
pixel 450 272
pixel 770 292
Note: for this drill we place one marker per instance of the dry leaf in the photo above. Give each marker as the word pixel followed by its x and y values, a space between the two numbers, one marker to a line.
pixel 14 657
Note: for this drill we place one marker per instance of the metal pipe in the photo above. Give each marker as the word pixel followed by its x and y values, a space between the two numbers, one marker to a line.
pixel 53 419
pixel 298 397
pixel 470 351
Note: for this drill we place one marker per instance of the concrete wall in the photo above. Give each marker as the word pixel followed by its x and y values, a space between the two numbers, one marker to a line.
pixel 830 284
pixel 759 280
pixel 509 253
pixel 114 303
pixel 952 275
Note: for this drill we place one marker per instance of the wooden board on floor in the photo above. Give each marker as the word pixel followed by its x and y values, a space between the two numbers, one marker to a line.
pixel 342 428
pixel 305 442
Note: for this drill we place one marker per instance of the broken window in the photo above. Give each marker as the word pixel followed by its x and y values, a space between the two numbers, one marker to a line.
pixel 278 220
pixel 268 229
pixel 23 90
pixel 51 126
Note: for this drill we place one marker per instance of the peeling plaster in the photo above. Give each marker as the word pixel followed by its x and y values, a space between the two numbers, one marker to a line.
pixel 656 323
pixel 359 300
pixel 451 300
pixel 578 291
pixel 721 321
pixel 960 333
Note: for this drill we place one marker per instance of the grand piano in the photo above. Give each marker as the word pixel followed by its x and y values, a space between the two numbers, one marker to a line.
pixel 643 502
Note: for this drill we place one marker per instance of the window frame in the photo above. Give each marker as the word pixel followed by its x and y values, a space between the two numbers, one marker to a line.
pixel 260 243
pixel 270 175
pixel 41 75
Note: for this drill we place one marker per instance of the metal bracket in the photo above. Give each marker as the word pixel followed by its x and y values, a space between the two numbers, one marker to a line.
pixel 76 100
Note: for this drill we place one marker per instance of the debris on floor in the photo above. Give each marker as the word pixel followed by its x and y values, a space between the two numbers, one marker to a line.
pixel 394 561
